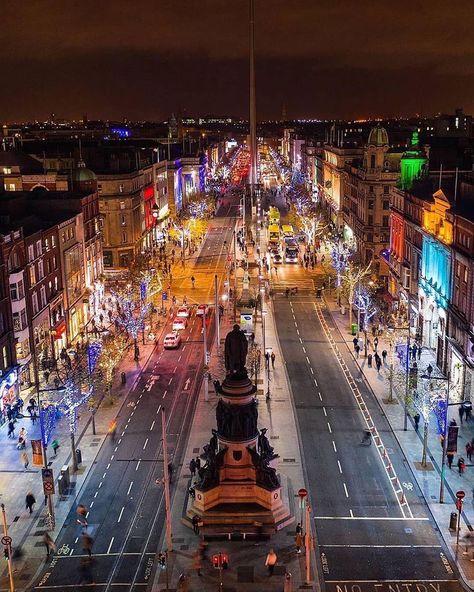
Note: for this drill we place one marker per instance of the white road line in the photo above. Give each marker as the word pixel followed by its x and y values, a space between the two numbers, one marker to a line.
pixel 77 538
pixel 144 445
pixel 159 407
pixel 152 425
pixel 108 466
pixel 345 490
pixel 307 359
pixel 339 465
pixel 96 494
pixel 315 381
pixel 72 551
pixel 325 412
pixel 179 359
pixel 304 349
pixel 103 476
pixel 138 464
pixel 370 518
pixel 100 484
pixel 352 513
pixel 184 347
pixel 301 341
pixel 296 324
pixel 112 457
pixel 312 372
pixel 110 546
pixel 297 331
pixel 320 396
pixel 171 380
pixel 334 446
pixel 120 440
pixel 123 433
pixel 175 368
pixel 130 487
pixel 91 504
pixel 120 515
pixel 125 428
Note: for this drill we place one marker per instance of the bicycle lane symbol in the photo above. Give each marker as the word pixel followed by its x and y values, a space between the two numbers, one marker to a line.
pixel 64 550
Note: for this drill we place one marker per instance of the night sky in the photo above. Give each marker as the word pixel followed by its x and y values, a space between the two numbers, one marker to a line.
pixel 320 58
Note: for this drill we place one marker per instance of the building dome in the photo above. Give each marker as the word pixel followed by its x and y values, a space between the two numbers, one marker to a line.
pixel 378 136
pixel 83 179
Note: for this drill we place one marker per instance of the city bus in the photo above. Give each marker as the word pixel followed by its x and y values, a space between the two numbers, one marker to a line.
pixel 273 215
pixel 291 254
pixel 287 230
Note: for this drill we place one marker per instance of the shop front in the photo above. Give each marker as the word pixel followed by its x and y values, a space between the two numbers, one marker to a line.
pixel 8 392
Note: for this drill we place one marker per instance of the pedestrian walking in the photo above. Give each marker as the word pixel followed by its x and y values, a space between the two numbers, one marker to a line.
pixel 55 446
pixel 195 522
pixel 355 341
pixel 272 357
pixel 414 350
pixel 416 419
pixel 369 360
pixel 378 361
pixel 25 461
pixel 193 280
pixel 450 457
pixel 298 542
pixel 469 451
pixel 49 544
pixel 419 352
pixel 11 428
pixel 87 542
pixel 270 561
pixel 192 467
pixel 357 349
pixel 198 463
pixel 30 501
pixel 384 356
pixel 461 465
pixel 461 413
pixel 376 342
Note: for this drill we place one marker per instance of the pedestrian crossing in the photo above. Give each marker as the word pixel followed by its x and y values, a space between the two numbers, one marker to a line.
pixel 303 285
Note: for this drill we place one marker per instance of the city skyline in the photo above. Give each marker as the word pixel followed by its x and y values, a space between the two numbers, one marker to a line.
pixel 311 61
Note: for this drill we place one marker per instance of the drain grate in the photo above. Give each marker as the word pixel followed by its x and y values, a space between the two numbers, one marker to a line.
pixel 245 574
pixel 290 460
pixel 196 450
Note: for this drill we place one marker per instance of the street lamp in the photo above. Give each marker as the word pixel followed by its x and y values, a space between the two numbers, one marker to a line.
pixel 155 213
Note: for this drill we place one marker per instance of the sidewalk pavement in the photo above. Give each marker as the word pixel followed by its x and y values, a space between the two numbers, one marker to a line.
pixel 411 442
pixel 246 558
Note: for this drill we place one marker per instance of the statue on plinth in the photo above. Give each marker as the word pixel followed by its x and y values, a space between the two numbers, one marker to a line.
pixel 264 448
pixel 266 476
pixel 235 352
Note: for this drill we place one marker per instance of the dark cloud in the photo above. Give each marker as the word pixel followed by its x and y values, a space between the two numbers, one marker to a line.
pixel 320 58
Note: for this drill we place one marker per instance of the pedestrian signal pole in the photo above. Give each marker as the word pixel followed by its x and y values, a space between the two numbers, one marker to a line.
pixel 307 542
pixel 7 543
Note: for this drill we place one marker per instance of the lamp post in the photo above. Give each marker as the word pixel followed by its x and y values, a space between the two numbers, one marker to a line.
pixel 154 213
pixel 445 435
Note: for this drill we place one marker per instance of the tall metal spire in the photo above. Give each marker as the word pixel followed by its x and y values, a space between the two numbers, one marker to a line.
pixel 252 106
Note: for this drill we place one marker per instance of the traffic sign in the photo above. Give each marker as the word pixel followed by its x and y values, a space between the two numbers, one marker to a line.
pixel 48 481
pixel 302 492
pixel 6 540
pixel 460 494
pixel 164 295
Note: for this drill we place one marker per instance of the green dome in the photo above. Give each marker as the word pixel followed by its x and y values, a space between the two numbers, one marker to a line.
pixel 378 136
pixel 82 174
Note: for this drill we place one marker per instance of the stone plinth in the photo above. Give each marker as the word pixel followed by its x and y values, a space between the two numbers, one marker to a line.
pixel 239 480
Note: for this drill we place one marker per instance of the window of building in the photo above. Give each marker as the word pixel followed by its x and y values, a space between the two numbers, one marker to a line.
pixel 53 241
pixel 2 324
pixel 40 270
pixel 123 220
pixel 370 237
pixel 32 273
pixel 55 265
pixel 384 220
pixel 124 237
pixel 14 291
pixel 371 220
pixel 371 188
pixel 121 188
pixel 39 248
pixel 56 283
pixel 386 189
pixel 371 204
pixel 372 161
pixel 386 204
pixel 5 357
pixel 122 205
pixel 31 253
pixel 11 187
pixel 46 244
pixel 43 296
pixel 465 275
pixel 99 188
pixel 7 170
pixel 34 302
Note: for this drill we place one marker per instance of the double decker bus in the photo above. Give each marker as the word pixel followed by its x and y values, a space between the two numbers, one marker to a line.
pixel 273 215
pixel 288 231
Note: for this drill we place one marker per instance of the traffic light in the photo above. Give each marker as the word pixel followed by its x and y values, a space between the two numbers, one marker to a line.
pixel 162 560
pixel 220 561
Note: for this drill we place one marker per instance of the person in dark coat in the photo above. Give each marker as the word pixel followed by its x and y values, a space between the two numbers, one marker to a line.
pixel 30 501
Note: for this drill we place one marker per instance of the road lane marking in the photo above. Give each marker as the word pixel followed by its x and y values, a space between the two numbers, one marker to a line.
pixel 301 341
pixel 297 331
pixel 91 504
pixel 112 457
pixel 175 368
pixel 100 484
pixel 352 513
pixel 339 465
pixel 123 433
pixel 329 428
pixel 103 476
pixel 72 551
pixel 296 324
pixel 120 440
pixel 159 407
pixel 320 396
pixel 144 445
pixel 96 494
pixel 334 446
pixel 184 347
pixel 152 425
pixel 304 349
pixel 345 490
pixel 312 372
pixel 130 487
pixel 110 546
pixel 315 381
pixel 120 515
pixel 108 466
pixel 307 359
pixel 179 359
pixel 77 538
pixel 138 464
pixel 171 380
pixel 325 412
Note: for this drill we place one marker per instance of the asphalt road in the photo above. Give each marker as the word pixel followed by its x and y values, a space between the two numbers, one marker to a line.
pixel 367 539
pixel 125 502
